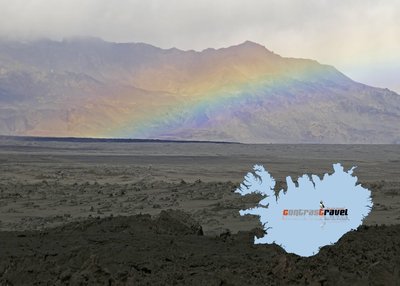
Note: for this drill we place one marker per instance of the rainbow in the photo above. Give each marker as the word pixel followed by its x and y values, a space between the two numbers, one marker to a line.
pixel 162 120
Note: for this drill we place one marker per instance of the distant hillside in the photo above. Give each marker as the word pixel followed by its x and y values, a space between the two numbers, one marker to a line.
pixel 86 87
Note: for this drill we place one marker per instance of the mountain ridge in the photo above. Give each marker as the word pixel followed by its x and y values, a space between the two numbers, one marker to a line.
pixel 247 93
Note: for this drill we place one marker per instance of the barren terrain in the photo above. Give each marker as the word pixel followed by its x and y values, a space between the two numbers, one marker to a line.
pixel 77 206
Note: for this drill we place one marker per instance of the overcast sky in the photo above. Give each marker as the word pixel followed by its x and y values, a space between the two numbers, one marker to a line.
pixel 359 37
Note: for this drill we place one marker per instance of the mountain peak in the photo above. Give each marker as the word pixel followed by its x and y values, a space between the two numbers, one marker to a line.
pixel 251 46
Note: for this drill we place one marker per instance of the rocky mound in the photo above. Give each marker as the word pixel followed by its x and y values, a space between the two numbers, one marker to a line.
pixel 171 250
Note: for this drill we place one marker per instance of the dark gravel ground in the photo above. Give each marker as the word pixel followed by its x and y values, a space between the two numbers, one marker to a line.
pixel 172 250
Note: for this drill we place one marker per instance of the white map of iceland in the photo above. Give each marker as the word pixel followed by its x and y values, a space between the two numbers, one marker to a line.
pixel 311 214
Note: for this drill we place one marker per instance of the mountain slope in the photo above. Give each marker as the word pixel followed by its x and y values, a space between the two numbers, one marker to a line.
pixel 92 88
